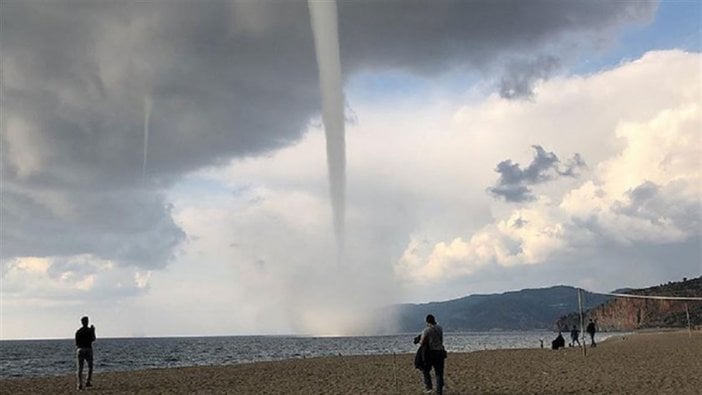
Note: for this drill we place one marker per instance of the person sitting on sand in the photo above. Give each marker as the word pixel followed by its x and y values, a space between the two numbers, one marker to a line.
pixel 574 336
pixel 433 339
pixel 591 331
pixel 85 336
pixel 558 342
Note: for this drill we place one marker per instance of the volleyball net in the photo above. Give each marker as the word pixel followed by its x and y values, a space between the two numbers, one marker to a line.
pixel 654 297
pixel 640 309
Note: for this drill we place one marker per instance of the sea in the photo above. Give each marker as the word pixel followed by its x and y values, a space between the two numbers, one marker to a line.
pixel 32 358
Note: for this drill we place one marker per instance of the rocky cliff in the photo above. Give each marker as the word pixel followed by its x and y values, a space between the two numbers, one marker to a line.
pixel 626 314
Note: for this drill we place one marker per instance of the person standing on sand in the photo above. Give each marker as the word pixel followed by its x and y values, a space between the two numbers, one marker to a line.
pixel 433 339
pixel 591 330
pixel 85 336
pixel 575 335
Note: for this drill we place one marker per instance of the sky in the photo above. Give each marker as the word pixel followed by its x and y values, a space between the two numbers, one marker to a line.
pixel 165 166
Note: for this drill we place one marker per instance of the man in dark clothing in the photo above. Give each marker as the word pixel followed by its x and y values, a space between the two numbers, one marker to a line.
pixel 85 336
pixel 575 336
pixel 591 331
pixel 432 339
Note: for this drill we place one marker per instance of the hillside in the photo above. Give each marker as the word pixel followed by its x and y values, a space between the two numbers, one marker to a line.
pixel 518 310
pixel 626 314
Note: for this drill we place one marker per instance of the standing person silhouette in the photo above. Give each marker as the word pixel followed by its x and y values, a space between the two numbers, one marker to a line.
pixel 591 330
pixel 574 336
pixel 433 338
pixel 85 336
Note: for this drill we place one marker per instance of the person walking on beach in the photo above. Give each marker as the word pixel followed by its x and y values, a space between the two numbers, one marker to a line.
pixel 591 330
pixel 85 336
pixel 574 336
pixel 433 339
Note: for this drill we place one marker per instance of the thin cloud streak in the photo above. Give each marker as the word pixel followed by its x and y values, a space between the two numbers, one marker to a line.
pixel 147 123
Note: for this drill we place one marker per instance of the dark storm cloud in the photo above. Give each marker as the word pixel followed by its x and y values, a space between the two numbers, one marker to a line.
pixel 129 226
pixel 661 205
pixel 641 200
pixel 532 37
pixel 513 184
pixel 225 79
pixel 76 77
pixel 428 36
pixel 520 77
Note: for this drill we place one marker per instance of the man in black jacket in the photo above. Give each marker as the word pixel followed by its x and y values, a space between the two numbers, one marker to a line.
pixel 591 331
pixel 85 336
pixel 575 336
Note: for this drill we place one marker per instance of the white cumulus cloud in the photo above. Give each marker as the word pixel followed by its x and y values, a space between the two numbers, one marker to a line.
pixel 644 185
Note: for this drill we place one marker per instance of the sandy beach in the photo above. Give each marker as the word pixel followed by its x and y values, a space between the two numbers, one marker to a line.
pixel 644 363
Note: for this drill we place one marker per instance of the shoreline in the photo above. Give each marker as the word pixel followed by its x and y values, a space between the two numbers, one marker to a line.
pixel 119 355
pixel 645 362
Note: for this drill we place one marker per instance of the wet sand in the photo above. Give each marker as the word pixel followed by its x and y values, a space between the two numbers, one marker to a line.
pixel 644 363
